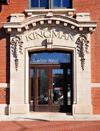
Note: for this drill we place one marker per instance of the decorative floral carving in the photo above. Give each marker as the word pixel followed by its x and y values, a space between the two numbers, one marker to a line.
pixel 16 48
pixel 82 45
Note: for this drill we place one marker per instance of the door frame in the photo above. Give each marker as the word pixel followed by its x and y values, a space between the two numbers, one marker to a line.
pixel 49 65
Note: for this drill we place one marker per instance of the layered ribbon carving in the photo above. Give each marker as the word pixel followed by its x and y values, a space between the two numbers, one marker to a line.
pixel 82 45
pixel 16 48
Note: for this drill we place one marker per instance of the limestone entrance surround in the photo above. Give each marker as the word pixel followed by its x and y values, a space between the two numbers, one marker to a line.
pixel 50 29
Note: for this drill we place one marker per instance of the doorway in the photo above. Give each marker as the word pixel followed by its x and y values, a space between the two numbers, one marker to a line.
pixel 51 82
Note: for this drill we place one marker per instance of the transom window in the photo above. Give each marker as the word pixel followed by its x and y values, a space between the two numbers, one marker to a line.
pixel 47 4
pixel 51 57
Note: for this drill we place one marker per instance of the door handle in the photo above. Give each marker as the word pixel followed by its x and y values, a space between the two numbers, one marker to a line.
pixel 51 94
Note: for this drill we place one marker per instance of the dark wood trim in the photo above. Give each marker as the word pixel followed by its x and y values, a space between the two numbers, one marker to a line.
pixel 49 66
pixel 29 86
pixel 62 65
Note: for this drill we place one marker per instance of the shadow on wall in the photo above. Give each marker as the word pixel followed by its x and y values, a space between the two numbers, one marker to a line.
pixel 0 8
pixel 5 54
pixel 7 110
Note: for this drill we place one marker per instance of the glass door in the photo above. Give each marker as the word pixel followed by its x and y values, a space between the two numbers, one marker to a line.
pixel 41 95
pixel 61 90
pixel 51 81
pixel 57 89
pixel 43 87
pixel 51 89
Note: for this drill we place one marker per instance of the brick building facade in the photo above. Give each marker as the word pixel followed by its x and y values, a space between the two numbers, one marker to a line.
pixel 81 19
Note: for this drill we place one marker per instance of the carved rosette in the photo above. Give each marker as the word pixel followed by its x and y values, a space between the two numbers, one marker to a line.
pixel 82 47
pixel 16 45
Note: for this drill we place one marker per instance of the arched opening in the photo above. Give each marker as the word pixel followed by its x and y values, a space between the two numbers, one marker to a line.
pixel 50 81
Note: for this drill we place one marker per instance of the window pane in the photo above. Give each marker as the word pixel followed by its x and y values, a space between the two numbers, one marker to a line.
pixel 42 86
pixel 43 3
pixel 53 57
pixel 65 3
pixel 58 82
pixel 56 3
pixel 34 3
pixel 32 85
pixel 68 94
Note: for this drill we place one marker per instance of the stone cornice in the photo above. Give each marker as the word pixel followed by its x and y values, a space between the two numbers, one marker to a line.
pixel 47 18
pixel 64 11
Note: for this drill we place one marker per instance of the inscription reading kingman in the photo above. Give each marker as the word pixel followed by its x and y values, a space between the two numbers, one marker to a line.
pixel 49 34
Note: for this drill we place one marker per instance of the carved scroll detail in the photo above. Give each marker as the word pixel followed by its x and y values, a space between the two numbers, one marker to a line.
pixel 82 47
pixel 16 45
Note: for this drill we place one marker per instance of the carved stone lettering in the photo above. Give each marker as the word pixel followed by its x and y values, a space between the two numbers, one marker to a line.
pixel 49 34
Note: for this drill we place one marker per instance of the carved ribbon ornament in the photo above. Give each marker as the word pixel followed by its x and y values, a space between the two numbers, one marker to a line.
pixel 82 45
pixel 16 48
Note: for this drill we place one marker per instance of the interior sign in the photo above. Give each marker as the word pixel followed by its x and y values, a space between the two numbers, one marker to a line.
pixel 49 34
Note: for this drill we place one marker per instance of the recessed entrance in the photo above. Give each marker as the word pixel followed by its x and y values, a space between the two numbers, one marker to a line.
pixel 51 81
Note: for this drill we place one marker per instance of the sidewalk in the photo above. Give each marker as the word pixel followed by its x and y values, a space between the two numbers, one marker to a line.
pixel 49 117
pixel 49 122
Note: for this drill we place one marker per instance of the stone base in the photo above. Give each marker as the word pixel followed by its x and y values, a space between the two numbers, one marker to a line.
pixel 19 109
pixel 4 109
pixel 82 109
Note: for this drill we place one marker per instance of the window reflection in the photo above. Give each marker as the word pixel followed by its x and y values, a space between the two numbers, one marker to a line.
pixel 43 3
pixel 68 71
pixel 69 95
pixel 34 3
pixel 58 86
pixel 61 3
pixel 39 3
pixel 65 3
pixel 42 86
pixel 53 57
pixel 32 86
pixel 50 3
pixel 57 3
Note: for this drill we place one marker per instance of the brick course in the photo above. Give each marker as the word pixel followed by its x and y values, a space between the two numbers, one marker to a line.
pixel 95 94
pixel 93 7
pixel 15 6
pixel 4 95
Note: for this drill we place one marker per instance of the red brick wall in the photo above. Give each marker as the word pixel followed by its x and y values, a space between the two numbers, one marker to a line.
pixel 4 95
pixel 93 7
pixel 96 100
pixel 15 6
